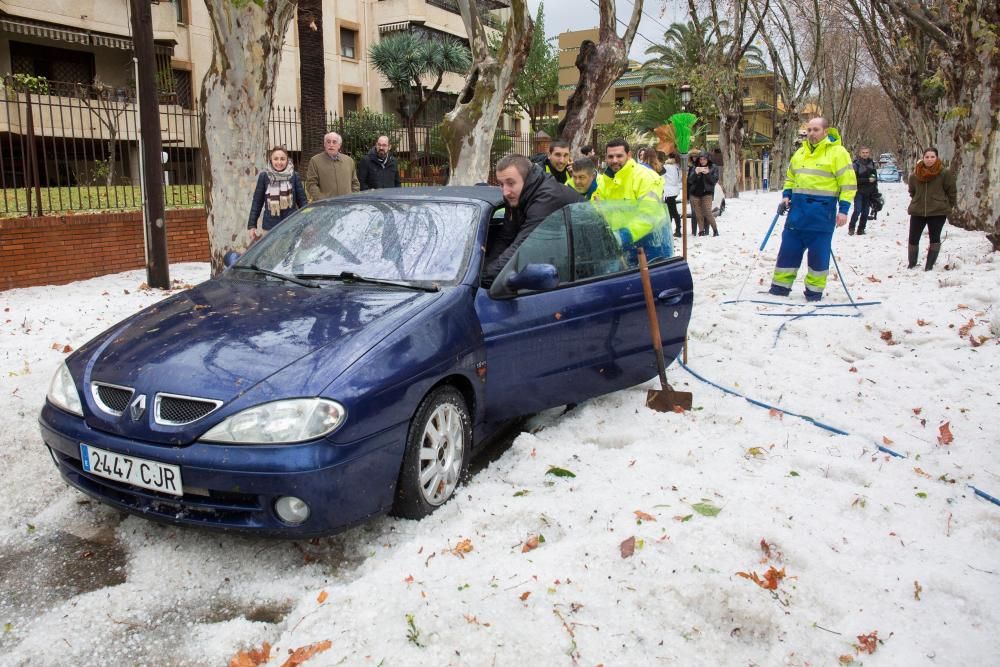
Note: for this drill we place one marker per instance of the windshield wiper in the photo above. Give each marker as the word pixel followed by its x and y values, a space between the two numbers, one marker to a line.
pixel 292 279
pixel 351 277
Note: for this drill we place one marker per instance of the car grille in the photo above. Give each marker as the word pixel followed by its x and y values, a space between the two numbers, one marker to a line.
pixel 179 410
pixel 111 398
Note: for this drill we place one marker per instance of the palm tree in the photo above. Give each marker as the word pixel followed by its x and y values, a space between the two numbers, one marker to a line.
pixel 312 75
pixel 406 60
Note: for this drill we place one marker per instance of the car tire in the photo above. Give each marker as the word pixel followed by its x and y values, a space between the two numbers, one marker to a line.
pixel 437 454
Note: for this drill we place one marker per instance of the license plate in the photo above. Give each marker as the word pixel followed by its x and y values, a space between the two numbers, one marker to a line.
pixel 148 474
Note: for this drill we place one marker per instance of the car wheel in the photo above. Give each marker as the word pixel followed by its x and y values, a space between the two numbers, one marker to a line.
pixel 437 454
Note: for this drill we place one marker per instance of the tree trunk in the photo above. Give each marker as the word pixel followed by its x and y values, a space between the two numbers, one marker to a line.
pixel 600 66
pixel 469 128
pixel 731 143
pixel 785 133
pixel 236 97
pixel 968 137
pixel 312 78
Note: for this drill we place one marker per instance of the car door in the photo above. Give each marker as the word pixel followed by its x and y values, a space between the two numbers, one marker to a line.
pixel 590 335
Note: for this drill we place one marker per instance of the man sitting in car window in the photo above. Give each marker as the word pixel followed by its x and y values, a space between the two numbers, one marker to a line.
pixel 531 197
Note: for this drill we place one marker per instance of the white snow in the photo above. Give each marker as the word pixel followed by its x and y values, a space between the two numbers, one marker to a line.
pixel 868 542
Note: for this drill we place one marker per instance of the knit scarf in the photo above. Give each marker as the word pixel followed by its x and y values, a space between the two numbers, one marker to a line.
pixel 279 189
pixel 925 173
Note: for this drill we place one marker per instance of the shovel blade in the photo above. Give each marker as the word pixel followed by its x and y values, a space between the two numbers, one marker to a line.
pixel 668 400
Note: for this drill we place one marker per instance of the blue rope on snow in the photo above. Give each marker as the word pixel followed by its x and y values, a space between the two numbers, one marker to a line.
pixel 983 494
pixel 762 404
pixel 804 305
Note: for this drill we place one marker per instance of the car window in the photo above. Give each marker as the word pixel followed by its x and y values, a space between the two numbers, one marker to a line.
pixel 607 236
pixel 547 244
pixel 414 241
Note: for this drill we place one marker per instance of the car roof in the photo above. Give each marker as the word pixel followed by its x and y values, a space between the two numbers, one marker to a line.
pixel 484 193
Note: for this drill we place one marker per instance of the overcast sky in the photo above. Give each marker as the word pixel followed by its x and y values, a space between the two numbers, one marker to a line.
pixel 563 15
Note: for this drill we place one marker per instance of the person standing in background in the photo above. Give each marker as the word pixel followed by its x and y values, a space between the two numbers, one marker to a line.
pixel 932 196
pixel 867 175
pixel 331 173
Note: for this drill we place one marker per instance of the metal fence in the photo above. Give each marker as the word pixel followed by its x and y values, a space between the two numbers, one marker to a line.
pixel 71 147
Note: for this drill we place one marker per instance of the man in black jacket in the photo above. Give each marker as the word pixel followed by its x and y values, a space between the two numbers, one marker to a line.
pixel 378 169
pixel 867 175
pixel 531 196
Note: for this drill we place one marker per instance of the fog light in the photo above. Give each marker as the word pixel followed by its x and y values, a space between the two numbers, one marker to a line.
pixel 291 509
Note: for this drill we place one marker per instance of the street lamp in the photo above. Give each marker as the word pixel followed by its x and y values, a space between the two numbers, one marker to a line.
pixel 685 95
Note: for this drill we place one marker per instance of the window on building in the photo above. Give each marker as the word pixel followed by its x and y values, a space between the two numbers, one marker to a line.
pixel 348 43
pixel 352 102
pixel 635 97
pixel 180 8
pixel 182 87
pixel 54 64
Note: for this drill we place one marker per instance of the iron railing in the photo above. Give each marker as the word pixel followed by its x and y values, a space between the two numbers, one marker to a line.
pixel 70 147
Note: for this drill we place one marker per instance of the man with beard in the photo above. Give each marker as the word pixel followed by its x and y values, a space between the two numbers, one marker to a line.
pixel 378 169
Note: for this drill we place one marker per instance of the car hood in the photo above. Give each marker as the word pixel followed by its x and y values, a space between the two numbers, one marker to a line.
pixel 220 339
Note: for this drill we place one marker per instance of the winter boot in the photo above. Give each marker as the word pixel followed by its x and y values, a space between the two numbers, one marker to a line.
pixel 932 255
pixel 911 254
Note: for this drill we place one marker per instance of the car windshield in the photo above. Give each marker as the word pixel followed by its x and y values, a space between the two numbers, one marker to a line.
pixel 419 242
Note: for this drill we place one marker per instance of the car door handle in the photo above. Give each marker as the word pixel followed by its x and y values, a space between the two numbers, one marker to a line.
pixel 671 296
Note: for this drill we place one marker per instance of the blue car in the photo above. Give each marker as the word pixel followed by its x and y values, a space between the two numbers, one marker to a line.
pixel 889 174
pixel 352 361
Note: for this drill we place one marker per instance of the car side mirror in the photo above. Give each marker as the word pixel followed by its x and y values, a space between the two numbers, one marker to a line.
pixel 230 258
pixel 534 277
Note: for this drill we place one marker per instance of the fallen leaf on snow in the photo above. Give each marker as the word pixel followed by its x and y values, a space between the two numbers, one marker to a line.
pixel 642 516
pixel 253 657
pixel 867 643
pixel 873 279
pixel 852 369
pixel 321 598
pixel 917 411
pixel 921 473
pixel 917 590
pixel 627 547
pixel 303 653
pixel 530 544
pixel 770 580
pixel 922 323
pixel 774 412
pixel 706 509
pixel 524 595
pixel 944 434
pixel 462 548
pixel 886 441
pixel 964 330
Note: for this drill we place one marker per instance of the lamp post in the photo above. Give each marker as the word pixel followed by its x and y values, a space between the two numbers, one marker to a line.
pixel 683 122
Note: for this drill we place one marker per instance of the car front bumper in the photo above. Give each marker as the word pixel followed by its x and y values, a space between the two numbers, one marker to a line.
pixel 234 488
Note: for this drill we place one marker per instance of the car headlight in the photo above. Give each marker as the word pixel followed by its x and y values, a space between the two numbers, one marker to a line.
pixel 294 420
pixel 62 391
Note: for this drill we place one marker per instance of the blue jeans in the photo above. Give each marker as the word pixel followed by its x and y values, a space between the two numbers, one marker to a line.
pixel 862 202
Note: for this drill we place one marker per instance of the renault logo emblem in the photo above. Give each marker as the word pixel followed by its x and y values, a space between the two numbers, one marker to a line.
pixel 137 407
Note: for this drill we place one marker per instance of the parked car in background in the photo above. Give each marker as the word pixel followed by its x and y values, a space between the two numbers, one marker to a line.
pixel 351 361
pixel 889 174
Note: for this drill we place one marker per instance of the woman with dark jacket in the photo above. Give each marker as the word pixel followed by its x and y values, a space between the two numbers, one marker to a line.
pixel 279 193
pixel 701 189
pixel 932 196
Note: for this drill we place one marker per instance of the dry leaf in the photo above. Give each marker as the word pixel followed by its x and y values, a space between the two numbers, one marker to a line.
pixel 67 349
pixel 921 473
pixel 886 441
pixel 462 548
pixel 944 434
pixel 770 580
pixel 627 547
pixel 531 544
pixel 408 580
pixel 303 653
pixel 873 279
pixel 775 413
pixel 678 409
pixel 964 330
pixel 321 598
pixel 852 369
pixel 917 411
pixel 867 643
pixel 976 342
pixel 922 323
pixel 962 306
pixel 886 336
pixel 524 595
pixel 917 590
pixel 642 516
pixel 253 657
pixel 846 659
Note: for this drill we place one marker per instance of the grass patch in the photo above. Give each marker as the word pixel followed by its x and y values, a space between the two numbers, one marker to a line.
pixel 58 201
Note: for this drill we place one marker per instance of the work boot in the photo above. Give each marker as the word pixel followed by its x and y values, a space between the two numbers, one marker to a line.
pixel 911 255
pixel 813 296
pixel 850 231
pixel 932 255
pixel 778 290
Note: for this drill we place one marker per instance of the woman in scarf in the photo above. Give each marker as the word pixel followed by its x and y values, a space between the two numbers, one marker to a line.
pixel 932 196
pixel 279 193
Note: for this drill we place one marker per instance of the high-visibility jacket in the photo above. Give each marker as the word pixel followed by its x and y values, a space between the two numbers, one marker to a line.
pixel 820 183
pixel 632 181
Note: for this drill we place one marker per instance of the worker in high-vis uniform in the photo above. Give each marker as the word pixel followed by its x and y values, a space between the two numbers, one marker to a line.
pixel 819 188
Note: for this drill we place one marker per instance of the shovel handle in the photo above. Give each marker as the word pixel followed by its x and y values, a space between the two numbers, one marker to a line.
pixel 654 322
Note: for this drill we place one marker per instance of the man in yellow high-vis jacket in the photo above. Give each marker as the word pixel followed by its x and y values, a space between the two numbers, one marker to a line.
pixel 819 188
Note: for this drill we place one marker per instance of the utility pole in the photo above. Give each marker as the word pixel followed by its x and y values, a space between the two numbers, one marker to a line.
pixel 153 213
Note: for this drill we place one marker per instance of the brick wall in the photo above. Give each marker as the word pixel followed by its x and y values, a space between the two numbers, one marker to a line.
pixel 61 249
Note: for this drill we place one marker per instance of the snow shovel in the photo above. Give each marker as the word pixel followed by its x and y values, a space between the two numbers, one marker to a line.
pixel 664 399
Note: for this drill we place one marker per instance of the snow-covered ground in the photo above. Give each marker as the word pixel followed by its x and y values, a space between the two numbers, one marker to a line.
pixel 868 543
